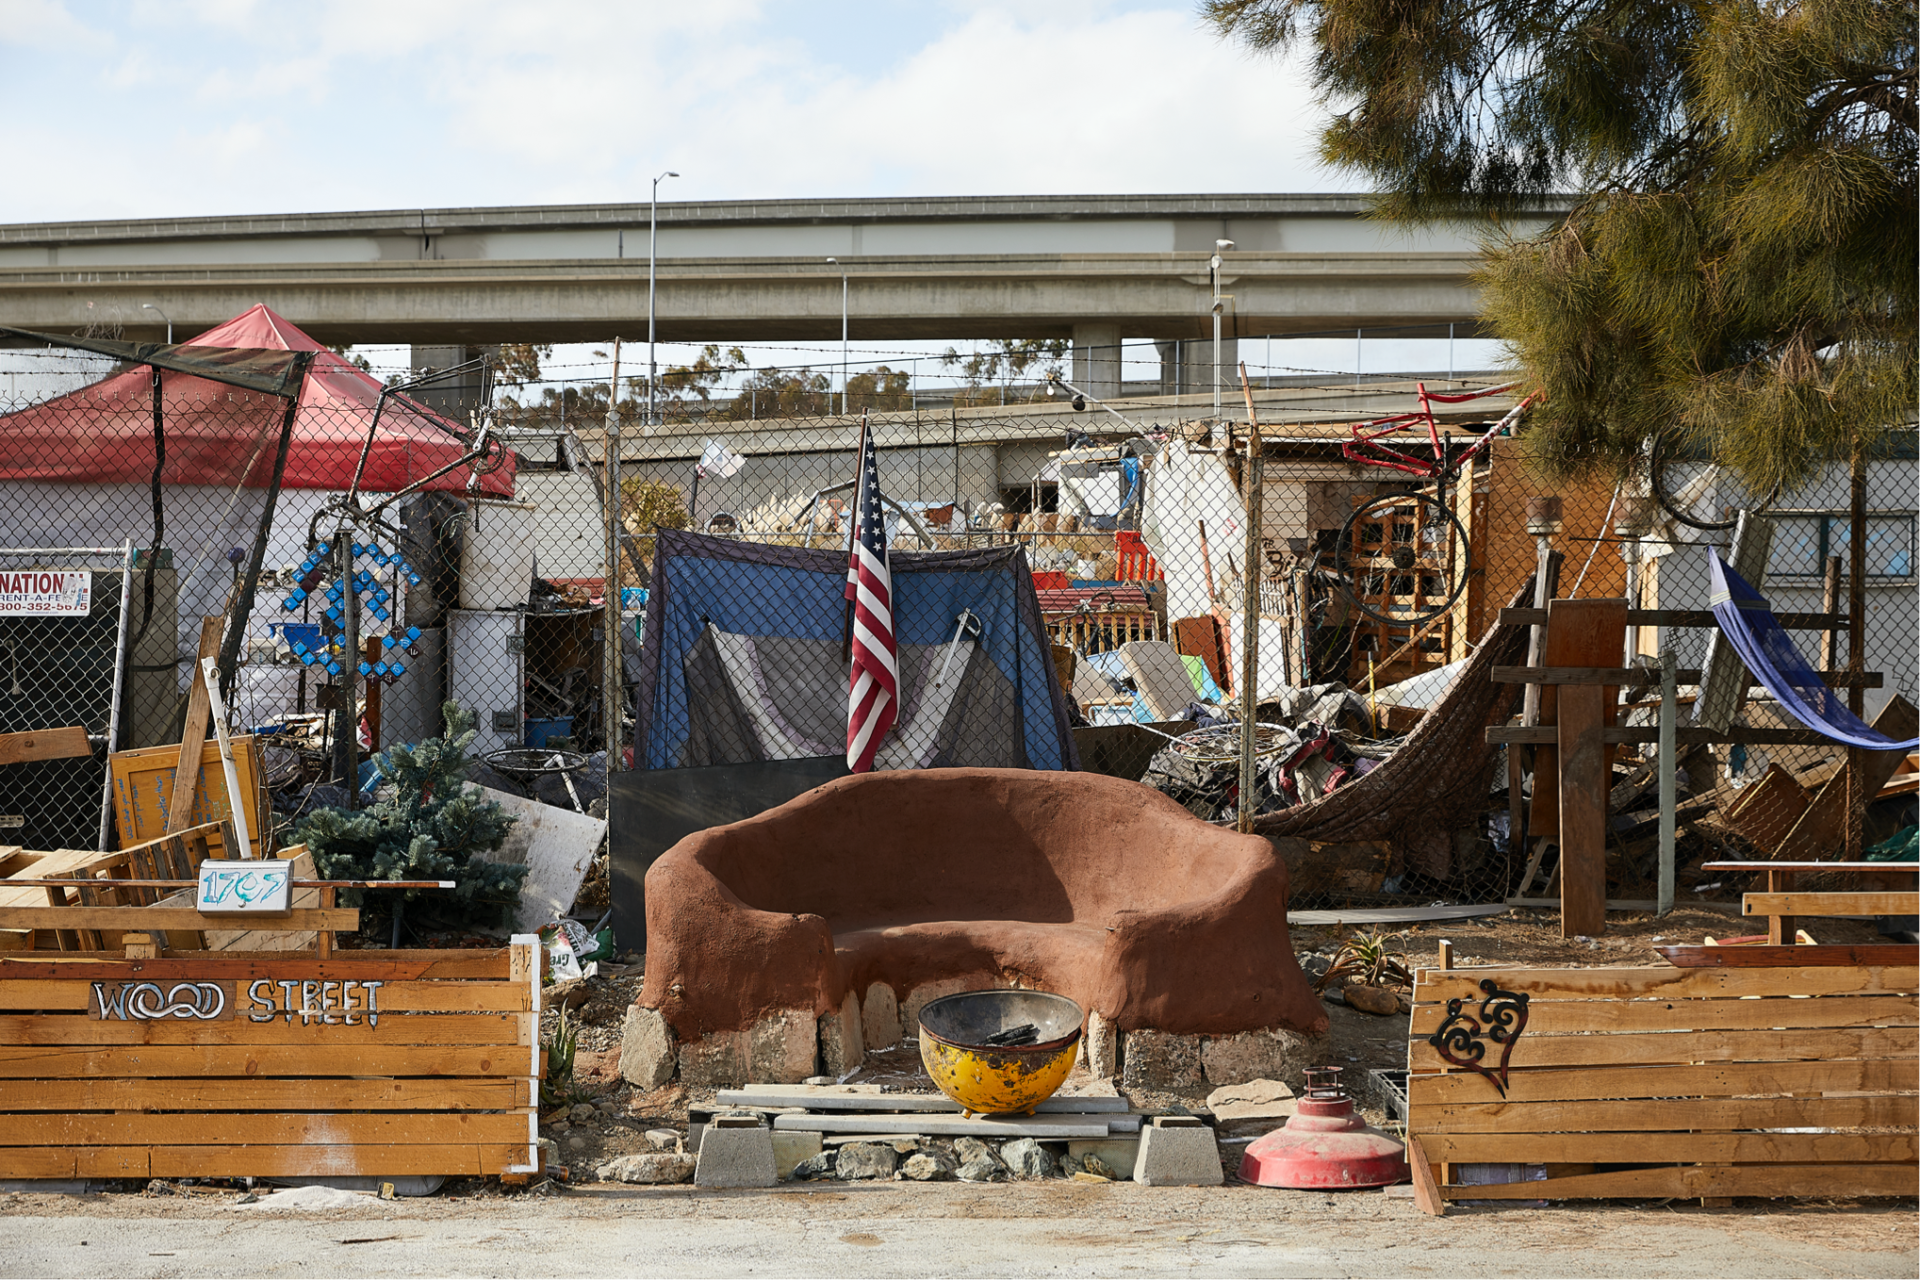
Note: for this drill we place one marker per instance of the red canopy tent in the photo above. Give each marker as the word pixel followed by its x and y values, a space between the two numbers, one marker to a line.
pixel 217 435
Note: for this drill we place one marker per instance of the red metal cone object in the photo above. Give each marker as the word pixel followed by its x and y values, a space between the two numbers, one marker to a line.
pixel 1324 1146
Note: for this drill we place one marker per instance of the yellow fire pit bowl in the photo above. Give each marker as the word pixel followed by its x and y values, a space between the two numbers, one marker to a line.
pixel 1037 1034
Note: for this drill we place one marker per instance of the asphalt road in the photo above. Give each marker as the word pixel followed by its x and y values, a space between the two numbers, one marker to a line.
pixel 943 1229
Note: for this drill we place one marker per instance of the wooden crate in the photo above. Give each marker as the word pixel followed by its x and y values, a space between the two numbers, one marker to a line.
pixel 445 1080
pixel 143 784
pixel 1797 1081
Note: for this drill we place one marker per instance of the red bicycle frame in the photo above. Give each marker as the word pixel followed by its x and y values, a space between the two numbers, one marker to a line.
pixel 1369 435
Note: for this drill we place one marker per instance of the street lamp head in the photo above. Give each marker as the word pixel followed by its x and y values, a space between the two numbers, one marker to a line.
pixel 833 260
pixel 1223 244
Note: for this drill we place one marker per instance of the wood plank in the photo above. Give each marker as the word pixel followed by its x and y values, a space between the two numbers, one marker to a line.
pixel 952 1126
pixel 1642 675
pixel 1436 986
pixel 193 1129
pixel 1562 1017
pixel 1772 957
pixel 396 997
pixel 1670 1148
pixel 1681 1181
pixel 802 1096
pixel 1686 735
pixel 45 744
pixel 279 1094
pixel 1801 621
pixel 333 1161
pixel 397 1028
pixel 95 1162
pixel 1740 1079
pixel 1649 1115
pixel 1823 825
pixel 216 966
pixel 1818 904
pixel 344 919
pixel 1785 865
pixel 1426 1192
pixel 193 737
pixel 27 1062
pixel 1691 1046
pixel 1584 774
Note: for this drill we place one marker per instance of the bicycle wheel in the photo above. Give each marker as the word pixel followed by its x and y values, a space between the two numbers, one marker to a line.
pixel 1402 558
pixel 1691 489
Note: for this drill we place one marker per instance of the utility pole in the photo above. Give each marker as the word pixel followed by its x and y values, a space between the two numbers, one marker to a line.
pixel 1219 247
pixel 653 248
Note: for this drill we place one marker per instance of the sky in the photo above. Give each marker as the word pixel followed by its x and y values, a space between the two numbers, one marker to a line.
pixel 195 107
pixel 157 108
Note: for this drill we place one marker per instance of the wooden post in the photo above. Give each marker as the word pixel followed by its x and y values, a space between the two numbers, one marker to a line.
pixel 1830 604
pixel 1583 633
pixel 1446 953
pixel 1669 780
pixel 1782 931
pixel 186 770
pixel 323 938
pixel 1250 609
pixel 373 696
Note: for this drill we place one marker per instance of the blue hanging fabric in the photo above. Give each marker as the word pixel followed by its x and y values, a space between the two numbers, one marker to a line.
pixel 1777 663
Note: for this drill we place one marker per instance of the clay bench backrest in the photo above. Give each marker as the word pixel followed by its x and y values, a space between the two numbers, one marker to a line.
pixel 964 844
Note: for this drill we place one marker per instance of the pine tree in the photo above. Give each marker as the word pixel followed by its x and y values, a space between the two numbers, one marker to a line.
pixel 431 828
pixel 1738 262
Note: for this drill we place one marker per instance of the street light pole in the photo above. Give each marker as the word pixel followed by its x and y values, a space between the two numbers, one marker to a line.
pixel 1218 247
pixel 843 335
pixel 148 306
pixel 653 245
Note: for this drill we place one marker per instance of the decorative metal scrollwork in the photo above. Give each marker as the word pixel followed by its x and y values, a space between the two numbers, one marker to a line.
pixel 1502 1017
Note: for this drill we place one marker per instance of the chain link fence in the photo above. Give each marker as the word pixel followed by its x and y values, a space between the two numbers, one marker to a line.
pixel 1074 586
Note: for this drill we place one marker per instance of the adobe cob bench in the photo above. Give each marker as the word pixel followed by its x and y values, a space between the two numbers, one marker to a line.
pixel 782 946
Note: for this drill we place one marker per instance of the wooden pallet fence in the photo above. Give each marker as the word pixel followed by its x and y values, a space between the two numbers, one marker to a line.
pixel 1786 1081
pixel 270 1064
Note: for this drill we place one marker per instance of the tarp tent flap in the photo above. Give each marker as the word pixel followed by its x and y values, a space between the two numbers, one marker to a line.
pixel 742 659
pixel 217 434
pixel 270 371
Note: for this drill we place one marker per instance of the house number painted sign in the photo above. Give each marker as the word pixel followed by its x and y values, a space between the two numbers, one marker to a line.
pixel 244 885
pixel 330 1002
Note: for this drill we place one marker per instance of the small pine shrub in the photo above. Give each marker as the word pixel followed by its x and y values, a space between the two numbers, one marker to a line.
pixel 430 829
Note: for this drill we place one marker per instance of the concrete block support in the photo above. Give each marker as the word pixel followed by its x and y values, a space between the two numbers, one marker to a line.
pixel 1178 1151
pixel 735 1151
pixel 1096 359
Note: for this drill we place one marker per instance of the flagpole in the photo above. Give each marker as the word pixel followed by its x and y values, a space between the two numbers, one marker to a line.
pixel 853 533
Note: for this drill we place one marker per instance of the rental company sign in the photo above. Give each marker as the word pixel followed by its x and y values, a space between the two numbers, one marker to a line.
pixel 45 593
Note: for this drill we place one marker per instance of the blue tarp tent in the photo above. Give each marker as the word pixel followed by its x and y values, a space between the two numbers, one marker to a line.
pixel 742 659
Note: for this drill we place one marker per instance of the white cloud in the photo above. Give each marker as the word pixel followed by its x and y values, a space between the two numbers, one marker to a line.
pixel 453 102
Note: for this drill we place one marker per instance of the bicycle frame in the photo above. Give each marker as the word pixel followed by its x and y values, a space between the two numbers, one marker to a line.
pixel 1369 436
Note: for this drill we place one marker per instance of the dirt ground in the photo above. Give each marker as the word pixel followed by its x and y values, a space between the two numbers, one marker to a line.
pixel 616 1117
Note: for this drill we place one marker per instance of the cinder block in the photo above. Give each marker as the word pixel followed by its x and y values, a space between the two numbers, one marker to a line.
pixel 1178 1151
pixel 735 1152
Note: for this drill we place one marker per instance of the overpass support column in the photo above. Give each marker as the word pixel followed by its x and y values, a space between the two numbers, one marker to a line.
pixel 1186 369
pixel 1096 359
pixel 457 397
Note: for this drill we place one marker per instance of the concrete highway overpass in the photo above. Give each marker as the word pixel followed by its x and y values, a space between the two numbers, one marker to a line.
pixel 1093 268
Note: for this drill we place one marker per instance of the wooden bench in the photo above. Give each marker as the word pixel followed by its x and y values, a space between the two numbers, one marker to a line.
pixel 1783 906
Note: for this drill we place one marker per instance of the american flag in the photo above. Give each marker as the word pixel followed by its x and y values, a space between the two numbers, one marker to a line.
pixel 873 694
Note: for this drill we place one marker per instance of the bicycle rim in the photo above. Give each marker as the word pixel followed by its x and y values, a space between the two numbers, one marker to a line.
pixel 1679 485
pixel 1402 558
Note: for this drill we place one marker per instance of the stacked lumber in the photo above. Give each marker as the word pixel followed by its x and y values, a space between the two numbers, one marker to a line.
pixel 268 1064
pixel 1706 1082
